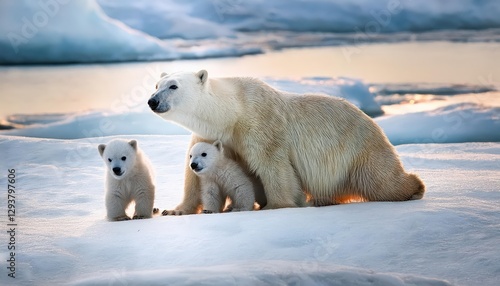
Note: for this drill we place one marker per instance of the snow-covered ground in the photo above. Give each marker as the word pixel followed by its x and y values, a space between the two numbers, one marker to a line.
pixel 57 31
pixel 450 236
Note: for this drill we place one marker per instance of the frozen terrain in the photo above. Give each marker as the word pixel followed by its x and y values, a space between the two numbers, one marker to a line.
pixel 56 31
pixel 450 236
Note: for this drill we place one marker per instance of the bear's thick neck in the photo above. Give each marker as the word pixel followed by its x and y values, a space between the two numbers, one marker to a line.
pixel 212 119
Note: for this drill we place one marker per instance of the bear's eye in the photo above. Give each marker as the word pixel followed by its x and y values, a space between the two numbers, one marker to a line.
pixel 156 86
pixel 124 158
pixel 190 156
pixel 173 86
pixel 203 154
pixel 109 159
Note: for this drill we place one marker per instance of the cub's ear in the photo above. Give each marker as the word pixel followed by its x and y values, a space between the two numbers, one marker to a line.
pixel 202 75
pixel 163 74
pixel 218 145
pixel 133 143
pixel 101 148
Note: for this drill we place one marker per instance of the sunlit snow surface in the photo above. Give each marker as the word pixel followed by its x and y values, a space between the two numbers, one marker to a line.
pixel 452 234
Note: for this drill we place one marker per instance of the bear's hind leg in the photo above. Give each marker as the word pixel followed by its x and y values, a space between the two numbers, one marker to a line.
pixel 402 188
pixel 398 187
pixel 415 185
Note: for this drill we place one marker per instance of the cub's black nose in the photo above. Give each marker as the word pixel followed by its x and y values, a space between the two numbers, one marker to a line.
pixel 194 165
pixel 117 171
pixel 153 103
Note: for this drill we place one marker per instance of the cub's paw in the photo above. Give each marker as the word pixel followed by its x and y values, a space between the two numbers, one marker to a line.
pixel 207 212
pixel 172 212
pixel 121 218
pixel 156 210
pixel 139 217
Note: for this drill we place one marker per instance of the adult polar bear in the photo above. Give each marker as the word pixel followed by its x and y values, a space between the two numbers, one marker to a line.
pixel 313 146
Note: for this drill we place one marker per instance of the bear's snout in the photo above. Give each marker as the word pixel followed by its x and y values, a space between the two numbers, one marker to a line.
pixel 196 167
pixel 117 171
pixel 153 103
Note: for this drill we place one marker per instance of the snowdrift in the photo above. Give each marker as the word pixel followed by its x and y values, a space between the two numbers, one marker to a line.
pixel 454 123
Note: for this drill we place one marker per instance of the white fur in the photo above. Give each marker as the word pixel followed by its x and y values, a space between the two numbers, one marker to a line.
pixel 134 181
pixel 220 178
pixel 299 146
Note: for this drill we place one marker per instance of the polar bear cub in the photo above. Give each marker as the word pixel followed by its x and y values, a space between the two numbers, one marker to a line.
pixel 220 177
pixel 129 177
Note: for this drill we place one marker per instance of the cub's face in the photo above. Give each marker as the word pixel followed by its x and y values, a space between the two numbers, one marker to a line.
pixel 119 156
pixel 177 93
pixel 203 156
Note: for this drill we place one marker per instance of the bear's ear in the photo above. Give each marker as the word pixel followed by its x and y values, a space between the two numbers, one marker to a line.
pixel 163 74
pixel 202 75
pixel 101 148
pixel 218 145
pixel 133 143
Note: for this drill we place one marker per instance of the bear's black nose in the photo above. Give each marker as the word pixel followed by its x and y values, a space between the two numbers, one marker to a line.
pixel 117 170
pixel 153 103
pixel 194 165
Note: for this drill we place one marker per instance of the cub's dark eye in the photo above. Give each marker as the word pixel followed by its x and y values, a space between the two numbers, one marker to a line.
pixel 109 159
pixel 124 158
pixel 156 86
pixel 190 156
pixel 203 154
pixel 173 86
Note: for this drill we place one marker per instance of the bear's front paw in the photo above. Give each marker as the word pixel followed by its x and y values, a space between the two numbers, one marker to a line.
pixel 121 218
pixel 172 212
pixel 139 217
pixel 207 212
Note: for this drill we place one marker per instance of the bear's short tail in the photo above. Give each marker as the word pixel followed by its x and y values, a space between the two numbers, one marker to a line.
pixel 417 185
